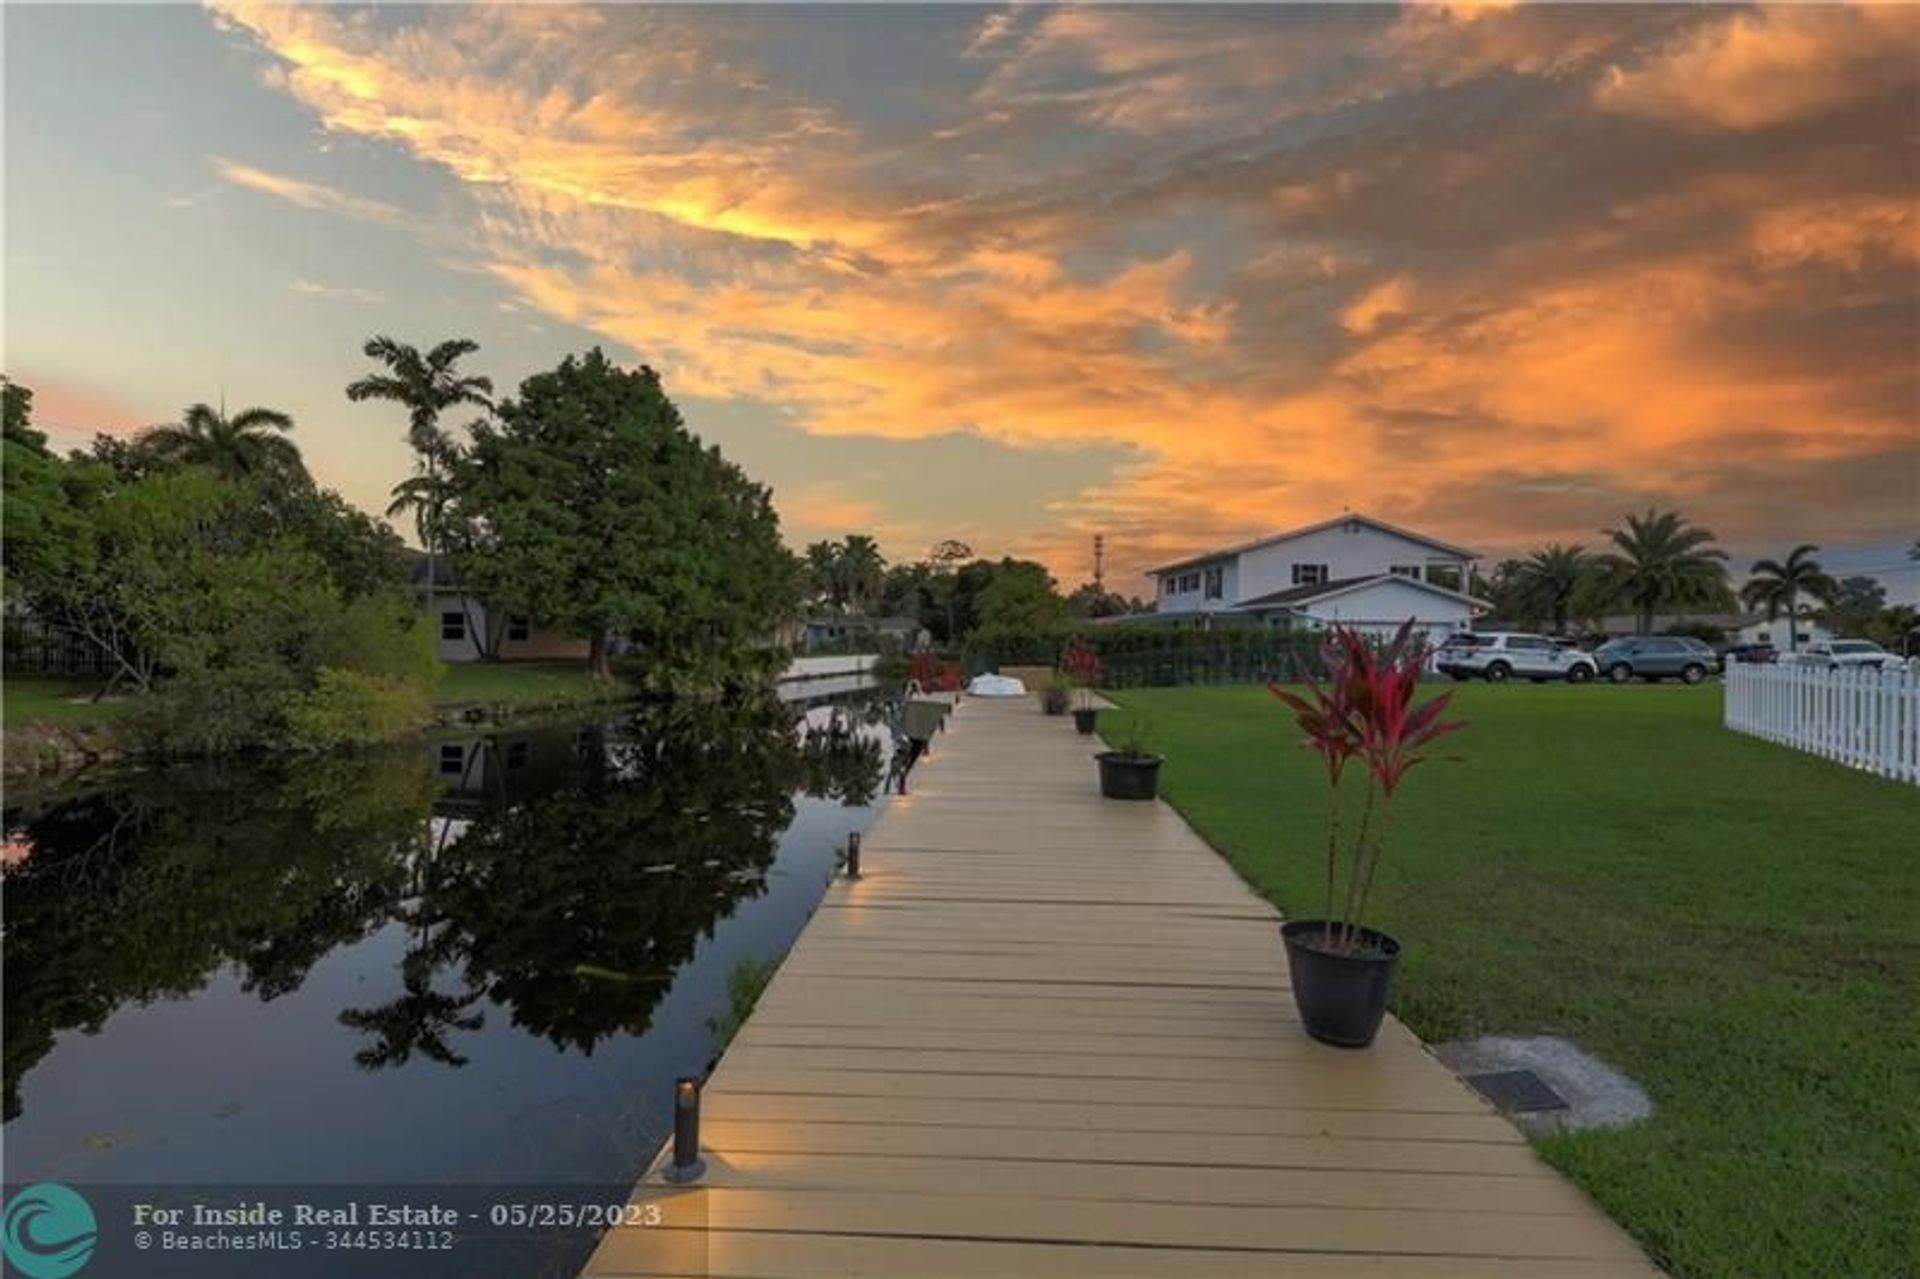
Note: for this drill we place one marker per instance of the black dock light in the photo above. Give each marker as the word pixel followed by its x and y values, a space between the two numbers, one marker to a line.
pixel 687 1166
pixel 853 854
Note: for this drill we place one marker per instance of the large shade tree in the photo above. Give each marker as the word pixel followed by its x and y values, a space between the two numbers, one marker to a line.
pixel 249 445
pixel 1660 561
pixel 589 504
pixel 1778 586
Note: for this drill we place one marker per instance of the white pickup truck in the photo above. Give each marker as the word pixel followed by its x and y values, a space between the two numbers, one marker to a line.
pixel 1850 654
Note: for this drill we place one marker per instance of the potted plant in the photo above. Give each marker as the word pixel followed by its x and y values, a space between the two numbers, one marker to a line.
pixel 1340 968
pixel 1057 695
pixel 1130 770
pixel 1083 668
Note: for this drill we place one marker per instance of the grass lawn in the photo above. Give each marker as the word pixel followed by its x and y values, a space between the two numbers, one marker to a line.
pixel 1734 924
pixel 522 683
pixel 47 699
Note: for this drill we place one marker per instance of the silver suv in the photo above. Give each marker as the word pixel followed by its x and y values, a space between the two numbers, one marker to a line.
pixel 1497 656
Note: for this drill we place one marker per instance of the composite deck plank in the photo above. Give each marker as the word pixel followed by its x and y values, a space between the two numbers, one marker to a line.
pixel 1051 1035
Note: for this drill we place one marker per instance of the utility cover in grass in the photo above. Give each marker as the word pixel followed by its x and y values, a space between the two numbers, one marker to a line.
pixel 1596 1095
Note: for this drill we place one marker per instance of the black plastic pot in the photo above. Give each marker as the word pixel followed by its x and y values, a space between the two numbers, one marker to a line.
pixel 1342 997
pixel 1129 776
pixel 1083 721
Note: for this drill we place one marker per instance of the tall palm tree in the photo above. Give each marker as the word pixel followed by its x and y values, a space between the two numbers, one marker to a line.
pixel 1546 582
pixel 427 385
pixel 1777 586
pixel 251 444
pixel 1662 561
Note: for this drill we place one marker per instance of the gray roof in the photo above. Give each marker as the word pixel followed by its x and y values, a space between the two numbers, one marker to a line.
pixel 1239 548
pixel 1321 590
pixel 445 576
pixel 1301 594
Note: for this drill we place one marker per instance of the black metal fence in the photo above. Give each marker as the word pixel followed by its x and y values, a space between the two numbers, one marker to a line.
pixel 29 649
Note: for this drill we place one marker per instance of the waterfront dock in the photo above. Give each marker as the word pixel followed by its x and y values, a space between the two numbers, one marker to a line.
pixel 1051 1034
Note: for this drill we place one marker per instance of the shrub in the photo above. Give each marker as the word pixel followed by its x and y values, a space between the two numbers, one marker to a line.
pixel 214 711
pixel 1057 695
pixel 1159 654
pixel 347 706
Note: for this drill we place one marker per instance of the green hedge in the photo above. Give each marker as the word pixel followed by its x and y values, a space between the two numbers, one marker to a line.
pixel 1158 656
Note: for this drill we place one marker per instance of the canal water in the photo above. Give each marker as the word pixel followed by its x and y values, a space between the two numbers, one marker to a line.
pixel 474 962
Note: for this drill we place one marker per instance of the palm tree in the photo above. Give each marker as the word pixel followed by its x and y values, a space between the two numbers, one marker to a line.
pixel 1777 586
pixel 863 570
pixel 427 385
pixel 428 496
pixel 249 445
pixel 1546 582
pixel 1662 561
pixel 823 573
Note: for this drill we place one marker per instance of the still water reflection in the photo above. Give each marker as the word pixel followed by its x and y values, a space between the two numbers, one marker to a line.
pixel 481 960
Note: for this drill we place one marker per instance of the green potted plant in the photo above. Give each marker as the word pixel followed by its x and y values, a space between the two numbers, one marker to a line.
pixel 1083 668
pixel 1341 969
pixel 1056 695
pixel 1131 770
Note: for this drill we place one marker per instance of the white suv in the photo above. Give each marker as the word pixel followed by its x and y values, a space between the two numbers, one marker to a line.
pixel 1501 655
pixel 1851 654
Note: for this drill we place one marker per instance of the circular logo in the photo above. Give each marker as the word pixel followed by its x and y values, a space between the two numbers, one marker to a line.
pixel 50 1231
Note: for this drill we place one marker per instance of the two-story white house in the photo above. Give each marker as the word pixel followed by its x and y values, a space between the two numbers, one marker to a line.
pixel 1352 570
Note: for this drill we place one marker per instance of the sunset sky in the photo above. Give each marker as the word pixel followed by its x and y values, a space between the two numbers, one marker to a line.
pixel 1021 274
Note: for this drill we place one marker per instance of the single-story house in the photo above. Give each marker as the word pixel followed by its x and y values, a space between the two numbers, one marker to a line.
pixel 1351 570
pixel 1739 628
pixel 462 621
pixel 894 633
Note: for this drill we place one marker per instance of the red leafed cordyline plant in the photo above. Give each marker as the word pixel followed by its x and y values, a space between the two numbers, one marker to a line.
pixel 1082 666
pixel 1366 712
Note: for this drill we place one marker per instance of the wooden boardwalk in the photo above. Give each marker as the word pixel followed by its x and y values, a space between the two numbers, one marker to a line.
pixel 1050 1034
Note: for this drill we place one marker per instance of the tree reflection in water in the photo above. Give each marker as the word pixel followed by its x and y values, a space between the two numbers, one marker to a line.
pixel 565 876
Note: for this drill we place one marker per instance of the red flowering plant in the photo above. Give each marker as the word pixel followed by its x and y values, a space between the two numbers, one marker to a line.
pixel 1082 666
pixel 1366 712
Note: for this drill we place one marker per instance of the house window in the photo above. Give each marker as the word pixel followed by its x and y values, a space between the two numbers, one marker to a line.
pixel 519 626
pixel 1216 582
pixel 1309 574
pixel 453 626
pixel 1405 570
pixel 453 759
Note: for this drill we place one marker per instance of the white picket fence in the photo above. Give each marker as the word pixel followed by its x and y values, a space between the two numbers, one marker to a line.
pixel 1867 719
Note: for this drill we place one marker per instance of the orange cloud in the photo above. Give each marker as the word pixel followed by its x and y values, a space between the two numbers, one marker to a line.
pixel 1753 70
pixel 1217 264
pixel 1381 302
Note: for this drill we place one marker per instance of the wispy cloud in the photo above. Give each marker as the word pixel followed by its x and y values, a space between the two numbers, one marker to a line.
pixel 335 292
pixel 308 195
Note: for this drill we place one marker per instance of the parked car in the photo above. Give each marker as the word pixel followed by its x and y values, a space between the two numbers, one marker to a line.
pixel 1656 657
pixel 1497 656
pixel 1851 654
pixel 1759 653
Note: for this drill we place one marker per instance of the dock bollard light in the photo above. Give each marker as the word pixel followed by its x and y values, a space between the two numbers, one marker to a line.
pixel 853 854
pixel 687 1165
